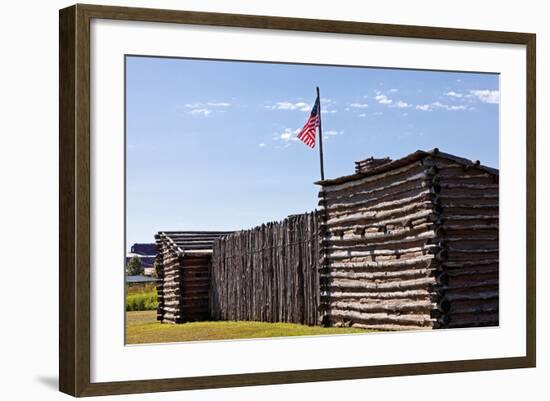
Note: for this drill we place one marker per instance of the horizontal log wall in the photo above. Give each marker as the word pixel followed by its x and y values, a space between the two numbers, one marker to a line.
pixel 269 273
pixel 183 286
pixel 410 248
pixel 168 290
pixel 381 256
pixel 195 287
pixel 468 205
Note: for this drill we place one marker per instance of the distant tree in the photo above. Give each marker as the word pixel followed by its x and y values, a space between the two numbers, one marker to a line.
pixel 134 267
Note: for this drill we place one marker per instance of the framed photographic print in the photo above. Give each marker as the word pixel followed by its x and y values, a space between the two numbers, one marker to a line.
pixel 295 200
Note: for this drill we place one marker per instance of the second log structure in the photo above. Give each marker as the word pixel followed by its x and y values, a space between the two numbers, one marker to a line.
pixel 183 264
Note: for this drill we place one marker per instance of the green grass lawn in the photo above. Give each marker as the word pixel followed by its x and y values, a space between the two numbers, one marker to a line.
pixel 142 327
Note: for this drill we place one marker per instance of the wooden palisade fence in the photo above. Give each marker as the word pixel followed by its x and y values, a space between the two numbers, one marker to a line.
pixel 268 273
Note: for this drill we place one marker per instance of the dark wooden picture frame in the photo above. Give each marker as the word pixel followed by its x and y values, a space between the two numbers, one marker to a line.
pixel 74 203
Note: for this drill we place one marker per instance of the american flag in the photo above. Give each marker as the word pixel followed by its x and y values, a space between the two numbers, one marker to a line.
pixel 307 134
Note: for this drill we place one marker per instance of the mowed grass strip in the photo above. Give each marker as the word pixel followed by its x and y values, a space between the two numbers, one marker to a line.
pixel 142 328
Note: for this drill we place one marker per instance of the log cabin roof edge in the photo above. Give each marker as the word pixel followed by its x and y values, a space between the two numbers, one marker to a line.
pixel 411 158
pixel 190 242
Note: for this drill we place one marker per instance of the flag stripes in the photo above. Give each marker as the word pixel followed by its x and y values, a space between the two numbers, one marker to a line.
pixel 307 134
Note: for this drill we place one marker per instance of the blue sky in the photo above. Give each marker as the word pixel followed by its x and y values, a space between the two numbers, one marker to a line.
pixel 211 145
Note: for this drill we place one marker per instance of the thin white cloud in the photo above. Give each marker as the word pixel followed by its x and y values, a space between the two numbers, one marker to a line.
pixel 449 107
pixel 209 104
pixel 203 112
pixel 359 105
pixel 454 94
pixel 262 145
pixel 301 106
pixel 438 105
pixel 324 111
pixel 363 115
pixel 383 99
pixel 218 104
pixel 287 135
pixel 423 107
pixel 486 95
pixel 402 105
pixel 205 109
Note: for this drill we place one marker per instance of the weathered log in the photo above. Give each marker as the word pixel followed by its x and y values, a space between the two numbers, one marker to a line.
pixel 369 295
pixel 474 320
pixel 405 171
pixel 476 270
pixel 428 214
pixel 476 295
pixel 470 263
pixel 366 214
pixel 393 306
pixel 382 285
pixel 383 318
pixel 360 235
pixel 373 204
pixel 420 261
pixel 378 275
pixel 336 244
pixel 473 307
pixel 337 254
pixel 388 327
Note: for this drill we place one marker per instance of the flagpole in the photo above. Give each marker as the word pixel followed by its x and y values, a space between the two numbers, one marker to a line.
pixel 320 139
pixel 322 314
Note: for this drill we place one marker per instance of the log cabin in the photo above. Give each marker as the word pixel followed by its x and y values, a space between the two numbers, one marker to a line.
pixel 183 264
pixel 411 244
